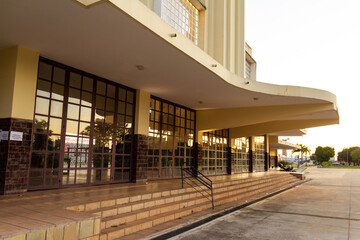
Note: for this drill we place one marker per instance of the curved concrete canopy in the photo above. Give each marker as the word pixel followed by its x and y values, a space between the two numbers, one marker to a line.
pixel 111 38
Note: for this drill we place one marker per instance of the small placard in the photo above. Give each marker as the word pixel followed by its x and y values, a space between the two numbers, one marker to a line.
pixel 4 135
pixel 16 136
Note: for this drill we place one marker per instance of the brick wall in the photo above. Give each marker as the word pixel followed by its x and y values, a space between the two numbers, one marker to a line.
pixel 15 157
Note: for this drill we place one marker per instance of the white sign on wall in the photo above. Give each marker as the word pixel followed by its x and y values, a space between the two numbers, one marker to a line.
pixel 16 136
pixel 4 135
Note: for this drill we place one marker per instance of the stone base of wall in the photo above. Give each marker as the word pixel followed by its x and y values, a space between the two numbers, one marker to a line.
pixel 15 156
pixel 141 148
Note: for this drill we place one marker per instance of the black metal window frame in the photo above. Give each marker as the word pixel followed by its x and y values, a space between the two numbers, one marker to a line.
pixel 168 120
pixel 62 101
pixel 214 152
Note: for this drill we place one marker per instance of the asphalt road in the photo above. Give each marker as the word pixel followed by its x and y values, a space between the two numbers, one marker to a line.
pixel 327 207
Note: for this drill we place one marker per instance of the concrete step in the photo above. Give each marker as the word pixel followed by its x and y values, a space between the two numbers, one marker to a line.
pixel 127 223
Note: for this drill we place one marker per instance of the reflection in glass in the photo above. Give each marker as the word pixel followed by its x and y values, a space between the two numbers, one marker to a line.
pixel 109 118
pixel 68 177
pixel 110 105
pixel 118 174
pixel 40 123
pixel 100 102
pixel 42 106
pixel 87 84
pixel 130 97
pixel 86 99
pixel 84 129
pixel 54 143
pixel 75 80
pixel 52 160
pixel 110 91
pixel 45 70
pixel 99 116
pixel 55 126
pixel 122 94
pixel 70 144
pixel 85 114
pixel 43 88
pixel 39 142
pixel 74 95
pixel 82 161
pixel 59 75
pixel 37 160
pixel 105 175
pixel 118 161
pixel 56 108
pixel 57 92
pixel 73 111
pixel 36 178
pixel 51 178
pixel 71 127
pixel 101 88
pixel 81 176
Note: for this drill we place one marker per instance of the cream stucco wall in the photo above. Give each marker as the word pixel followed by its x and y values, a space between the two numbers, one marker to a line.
pixel 18 74
pixel 142 112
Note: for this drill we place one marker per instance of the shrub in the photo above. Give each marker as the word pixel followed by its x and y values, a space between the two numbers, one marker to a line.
pixel 326 164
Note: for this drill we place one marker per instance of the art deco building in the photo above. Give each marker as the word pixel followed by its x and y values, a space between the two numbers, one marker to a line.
pixel 111 91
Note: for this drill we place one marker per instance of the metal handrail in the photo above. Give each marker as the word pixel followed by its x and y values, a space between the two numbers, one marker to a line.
pixel 200 179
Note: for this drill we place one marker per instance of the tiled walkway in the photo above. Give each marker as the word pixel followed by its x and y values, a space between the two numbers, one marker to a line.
pixel 34 211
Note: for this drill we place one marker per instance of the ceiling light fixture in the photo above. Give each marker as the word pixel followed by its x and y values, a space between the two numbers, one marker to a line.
pixel 173 35
pixel 140 67
pixel 214 65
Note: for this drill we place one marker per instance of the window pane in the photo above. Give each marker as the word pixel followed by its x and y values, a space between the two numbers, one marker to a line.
pixel 59 75
pixel 45 70
pixel 122 94
pixel 101 88
pixel 54 143
pixel 37 160
pixel 86 99
pixel 84 129
pixel 56 109
pixel 43 88
pixel 73 111
pixel 130 97
pixel 110 91
pixel 53 161
pixel 42 106
pixel 40 124
pixel 71 127
pixel 36 178
pixel 85 114
pixel 57 92
pixel 100 102
pixel 87 84
pixel 55 126
pixel 75 80
pixel 74 95
pixel 39 142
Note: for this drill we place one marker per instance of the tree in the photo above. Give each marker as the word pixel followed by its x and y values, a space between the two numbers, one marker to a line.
pixel 303 150
pixel 355 155
pixel 323 154
pixel 345 155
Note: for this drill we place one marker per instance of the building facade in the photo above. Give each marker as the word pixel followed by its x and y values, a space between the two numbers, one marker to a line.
pixel 125 91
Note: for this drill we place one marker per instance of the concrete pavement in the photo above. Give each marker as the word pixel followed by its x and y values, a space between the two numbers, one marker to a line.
pixel 327 207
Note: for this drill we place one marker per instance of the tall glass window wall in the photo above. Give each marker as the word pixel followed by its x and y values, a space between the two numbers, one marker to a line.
pixel 83 128
pixel 240 152
pixel 181 15
pixel 171 139
pixel 214 152
pixel 259 154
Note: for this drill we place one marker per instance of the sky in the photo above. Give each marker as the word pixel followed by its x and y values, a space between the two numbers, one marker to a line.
pixel 316 44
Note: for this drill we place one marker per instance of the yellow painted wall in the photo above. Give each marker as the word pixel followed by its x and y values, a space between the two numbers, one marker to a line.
pixel 7 78
pixel 18 74
pixel 223 33
pixel 142 112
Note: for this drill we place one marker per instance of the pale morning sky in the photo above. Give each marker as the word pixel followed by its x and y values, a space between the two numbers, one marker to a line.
pixel 311 43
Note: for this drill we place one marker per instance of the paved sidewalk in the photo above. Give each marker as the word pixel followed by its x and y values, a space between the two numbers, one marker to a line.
pixel 328 207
